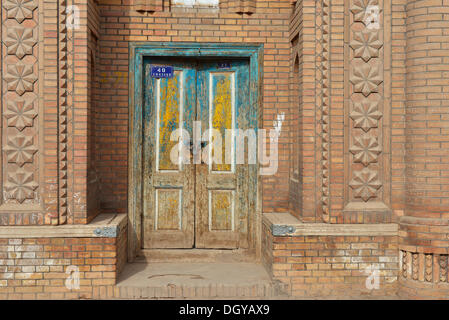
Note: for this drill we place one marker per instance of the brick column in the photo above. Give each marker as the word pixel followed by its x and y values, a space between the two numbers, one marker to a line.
pixel 424 230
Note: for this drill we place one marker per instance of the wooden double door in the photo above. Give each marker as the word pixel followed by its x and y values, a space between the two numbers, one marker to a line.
pixel 190 200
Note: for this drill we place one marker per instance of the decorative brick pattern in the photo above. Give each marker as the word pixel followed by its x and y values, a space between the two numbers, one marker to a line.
pixel 20 149
pixel 323 100
pixel 424 275
pixel 20 41
pixel 20 114
pixel 62 114
pixel 367 99
pixel 20 142
pixel 365 78
pixel 20 9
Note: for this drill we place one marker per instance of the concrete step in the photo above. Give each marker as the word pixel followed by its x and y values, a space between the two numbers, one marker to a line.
pixel 198 281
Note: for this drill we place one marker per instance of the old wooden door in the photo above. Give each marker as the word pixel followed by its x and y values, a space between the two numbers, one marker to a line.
pixel 221 193
pixel 203 204
pixel 168 187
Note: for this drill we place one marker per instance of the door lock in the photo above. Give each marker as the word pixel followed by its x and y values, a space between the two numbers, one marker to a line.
pixel 193 150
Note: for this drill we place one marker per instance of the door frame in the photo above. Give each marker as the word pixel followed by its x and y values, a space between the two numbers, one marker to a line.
pixel 140 50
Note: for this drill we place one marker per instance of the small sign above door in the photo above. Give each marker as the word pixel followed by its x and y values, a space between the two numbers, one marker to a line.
pixel 224 65
pixel 161 72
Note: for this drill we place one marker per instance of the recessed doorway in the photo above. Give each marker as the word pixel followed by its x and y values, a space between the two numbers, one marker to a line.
pixel 185 202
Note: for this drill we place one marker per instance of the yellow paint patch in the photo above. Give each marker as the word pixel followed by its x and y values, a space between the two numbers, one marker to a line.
pixel 222 116
pixel 221 210
pixel 169 121
pixel 168 210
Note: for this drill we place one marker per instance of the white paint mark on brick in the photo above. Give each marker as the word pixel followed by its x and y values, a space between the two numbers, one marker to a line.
pixel 7 275
pixel 15 241
pixel 8 262
pixel 77 197
pixel 29 255
pixel 29 248
pixel 28 268
pixel 14 255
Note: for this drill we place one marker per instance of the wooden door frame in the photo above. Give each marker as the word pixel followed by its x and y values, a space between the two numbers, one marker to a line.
pixel 139 50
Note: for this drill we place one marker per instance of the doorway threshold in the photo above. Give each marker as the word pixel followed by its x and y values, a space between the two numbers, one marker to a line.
pixel 195 255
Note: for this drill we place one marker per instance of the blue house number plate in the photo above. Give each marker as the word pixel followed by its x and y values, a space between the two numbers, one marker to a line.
pixel 161 72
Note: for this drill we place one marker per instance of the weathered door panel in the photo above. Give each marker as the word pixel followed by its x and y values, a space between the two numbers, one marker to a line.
pixel 221 186
pixel 168 189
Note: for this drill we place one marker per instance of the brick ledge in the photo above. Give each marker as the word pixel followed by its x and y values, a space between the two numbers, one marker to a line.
pixel 284 224
pixel 103 226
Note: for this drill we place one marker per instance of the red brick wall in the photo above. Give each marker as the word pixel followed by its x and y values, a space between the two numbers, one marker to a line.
pixel 424 228
pixel 427 109
pixel 88 144
pixel 122 250
pixel 303 185
pixel 78 101
pixel 93 199
pixel 35 268
pixel 398 70
pixel 295 115
pixel 332 265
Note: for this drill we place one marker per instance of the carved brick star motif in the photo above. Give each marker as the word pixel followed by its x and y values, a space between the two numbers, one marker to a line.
pixel 365 114
pixel 21 185
pixel 20 149
pixel 365 184
pixel 20 77
pixel 20 9
pixel 365 149
pixel 365 79
pixel 366 44
pixel 359 7
pixel 20 41
pixel 20 113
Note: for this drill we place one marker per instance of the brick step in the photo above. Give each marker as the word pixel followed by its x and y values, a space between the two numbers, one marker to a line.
pixel 198 281
pixel 212 291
